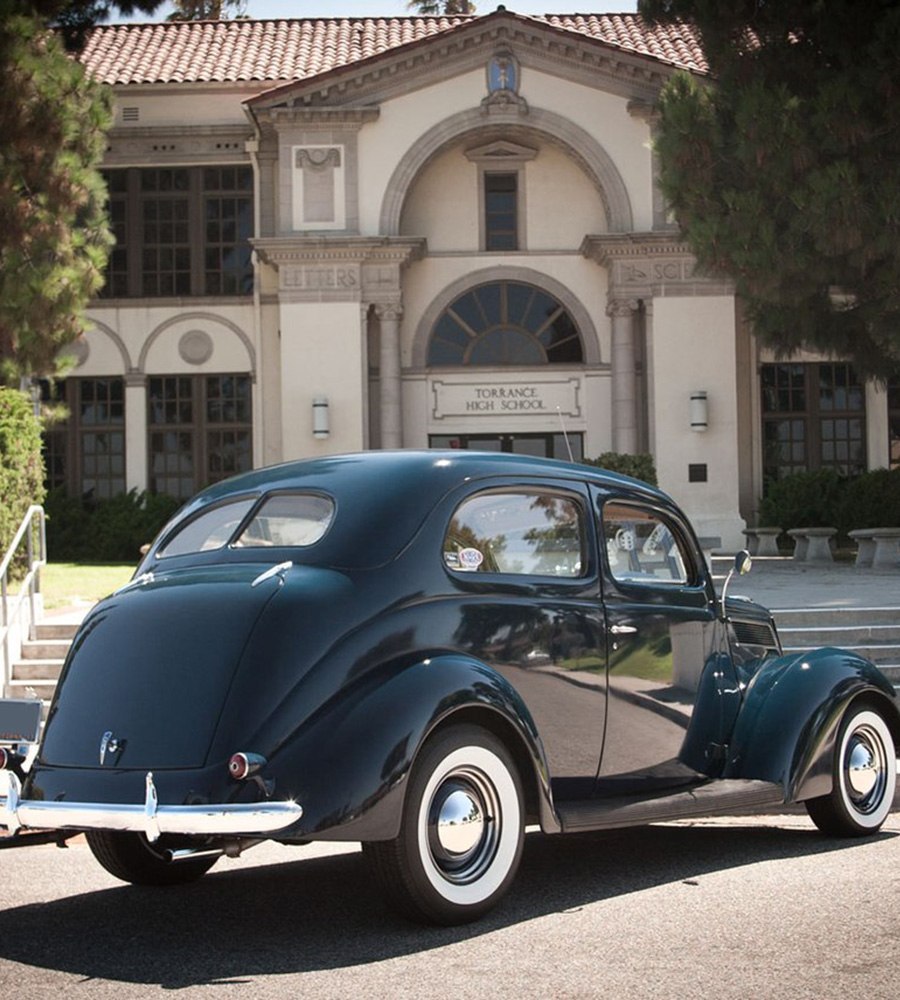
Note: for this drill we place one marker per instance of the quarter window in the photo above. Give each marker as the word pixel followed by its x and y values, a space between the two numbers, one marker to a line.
pixel 210 530
pixel 523 534
pixel 297 520
pixel 641 547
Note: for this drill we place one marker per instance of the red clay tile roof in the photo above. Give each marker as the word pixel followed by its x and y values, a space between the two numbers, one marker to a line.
pixel 278 50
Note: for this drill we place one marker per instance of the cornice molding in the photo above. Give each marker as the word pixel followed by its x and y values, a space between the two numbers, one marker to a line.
pixel 339 269
pixel 176 144
pixel 278 250
pixel 317 117
pixel 651 265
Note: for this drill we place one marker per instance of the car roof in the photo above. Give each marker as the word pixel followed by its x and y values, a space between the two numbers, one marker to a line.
pixel 383 497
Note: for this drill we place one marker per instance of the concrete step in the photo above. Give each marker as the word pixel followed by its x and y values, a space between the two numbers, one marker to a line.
pixel 840 635
pixel 35 674
pixel 880 655
pixel 43 689
pixel 45 649
pixel 787 618
pixel 51 630
pixel 37 670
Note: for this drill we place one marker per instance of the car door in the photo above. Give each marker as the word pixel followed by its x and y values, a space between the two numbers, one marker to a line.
pixel 523 561
pixel 666 715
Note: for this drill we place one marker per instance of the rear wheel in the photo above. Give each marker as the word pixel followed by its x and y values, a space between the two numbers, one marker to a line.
pixel 132 858
pixel 865 776
pixel 461 832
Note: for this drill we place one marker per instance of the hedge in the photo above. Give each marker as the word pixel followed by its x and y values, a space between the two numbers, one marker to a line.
pixel 825 499
pixel 110 530
pixel 21 465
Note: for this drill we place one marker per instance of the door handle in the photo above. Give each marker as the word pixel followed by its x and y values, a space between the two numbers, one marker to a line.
pixel 623 630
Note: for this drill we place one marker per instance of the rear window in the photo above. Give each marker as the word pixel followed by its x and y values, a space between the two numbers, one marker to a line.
pixel 211 530
pixel 295 520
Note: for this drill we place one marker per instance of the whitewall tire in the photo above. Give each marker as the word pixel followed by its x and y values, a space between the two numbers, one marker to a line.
pixel 864 775
pixel 461 833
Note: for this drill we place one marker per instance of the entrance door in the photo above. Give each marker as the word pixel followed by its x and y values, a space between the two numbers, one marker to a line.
pixel 536 445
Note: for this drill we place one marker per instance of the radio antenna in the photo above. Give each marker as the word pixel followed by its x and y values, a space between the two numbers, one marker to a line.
pixel 562 424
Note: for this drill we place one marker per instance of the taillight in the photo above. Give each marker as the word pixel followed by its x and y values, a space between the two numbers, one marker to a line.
pixel 4 758
pixel 244 765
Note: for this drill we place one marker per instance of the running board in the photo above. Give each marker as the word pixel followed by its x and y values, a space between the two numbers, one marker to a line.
pixel 712 798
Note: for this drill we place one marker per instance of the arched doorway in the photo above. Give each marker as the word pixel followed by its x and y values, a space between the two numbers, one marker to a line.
pixel 508 324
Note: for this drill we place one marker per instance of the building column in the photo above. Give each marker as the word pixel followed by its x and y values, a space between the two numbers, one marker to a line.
pixel 390 409
pixel 136 472
pixel 624 389
pixel 878 437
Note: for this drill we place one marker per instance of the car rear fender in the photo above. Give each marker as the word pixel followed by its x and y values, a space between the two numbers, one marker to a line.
pixel 792 709
pixel 348 764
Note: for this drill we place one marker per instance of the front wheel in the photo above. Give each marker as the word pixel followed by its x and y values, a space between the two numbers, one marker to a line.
pixel 864 776
pixel 132 858
pixel 461 831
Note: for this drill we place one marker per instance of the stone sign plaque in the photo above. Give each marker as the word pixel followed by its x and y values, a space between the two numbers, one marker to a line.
pixel 511 399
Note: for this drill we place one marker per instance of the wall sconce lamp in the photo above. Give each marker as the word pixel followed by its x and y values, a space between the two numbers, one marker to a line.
pixel 699 410
pixel 321 425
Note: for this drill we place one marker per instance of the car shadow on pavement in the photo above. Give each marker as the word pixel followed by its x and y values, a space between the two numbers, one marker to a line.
pixel 323 913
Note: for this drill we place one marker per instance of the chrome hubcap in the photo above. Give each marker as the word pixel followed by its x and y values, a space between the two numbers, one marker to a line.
pixel 460 823
pixel 463 825
pixel 865 769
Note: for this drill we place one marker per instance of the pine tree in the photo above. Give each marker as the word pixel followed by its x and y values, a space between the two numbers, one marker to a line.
pixel 783 169
pixel 450 8
pixel 206 10
pixel 53 232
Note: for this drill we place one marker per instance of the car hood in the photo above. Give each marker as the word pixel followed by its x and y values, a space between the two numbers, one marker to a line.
pixel 151 668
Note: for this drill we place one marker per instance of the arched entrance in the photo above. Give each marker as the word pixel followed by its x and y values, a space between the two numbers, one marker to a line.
pixel 498 327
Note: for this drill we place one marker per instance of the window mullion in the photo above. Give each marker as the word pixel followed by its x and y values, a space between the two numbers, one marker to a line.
pixel 196 229
pixel 199 432
pixel 134 229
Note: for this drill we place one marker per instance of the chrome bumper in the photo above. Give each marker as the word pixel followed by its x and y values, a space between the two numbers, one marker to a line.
pixel 149 818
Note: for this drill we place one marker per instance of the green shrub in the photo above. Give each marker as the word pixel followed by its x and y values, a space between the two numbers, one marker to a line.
pixel 637 466
pixel 21 465
pixel 825 499
pixel 804 500
pixel 872 500
pixel 110 530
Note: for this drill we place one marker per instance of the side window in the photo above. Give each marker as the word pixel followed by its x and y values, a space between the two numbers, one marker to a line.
pixel 536 534
pixel 641 547
pixel 289 519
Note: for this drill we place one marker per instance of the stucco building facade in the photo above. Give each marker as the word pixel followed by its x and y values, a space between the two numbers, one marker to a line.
pixel 343 234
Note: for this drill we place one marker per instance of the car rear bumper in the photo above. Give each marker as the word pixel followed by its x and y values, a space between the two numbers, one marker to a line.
pixel 149 817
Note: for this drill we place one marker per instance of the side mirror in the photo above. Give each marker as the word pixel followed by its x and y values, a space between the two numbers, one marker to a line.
pixel 742 565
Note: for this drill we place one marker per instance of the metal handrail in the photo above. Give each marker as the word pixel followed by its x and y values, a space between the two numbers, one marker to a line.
pixel 11 607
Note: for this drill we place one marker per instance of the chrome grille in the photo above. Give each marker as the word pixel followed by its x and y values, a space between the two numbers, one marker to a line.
pixel 754 634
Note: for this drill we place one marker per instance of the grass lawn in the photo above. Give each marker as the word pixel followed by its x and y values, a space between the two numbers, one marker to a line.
pixel 63 584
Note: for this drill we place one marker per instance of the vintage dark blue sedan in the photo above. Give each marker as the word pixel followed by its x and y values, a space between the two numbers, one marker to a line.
pixel 426 652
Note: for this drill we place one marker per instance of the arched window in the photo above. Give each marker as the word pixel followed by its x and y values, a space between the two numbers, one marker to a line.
pixel 505 323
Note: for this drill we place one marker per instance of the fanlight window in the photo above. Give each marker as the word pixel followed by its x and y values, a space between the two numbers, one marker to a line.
pixel 505 323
